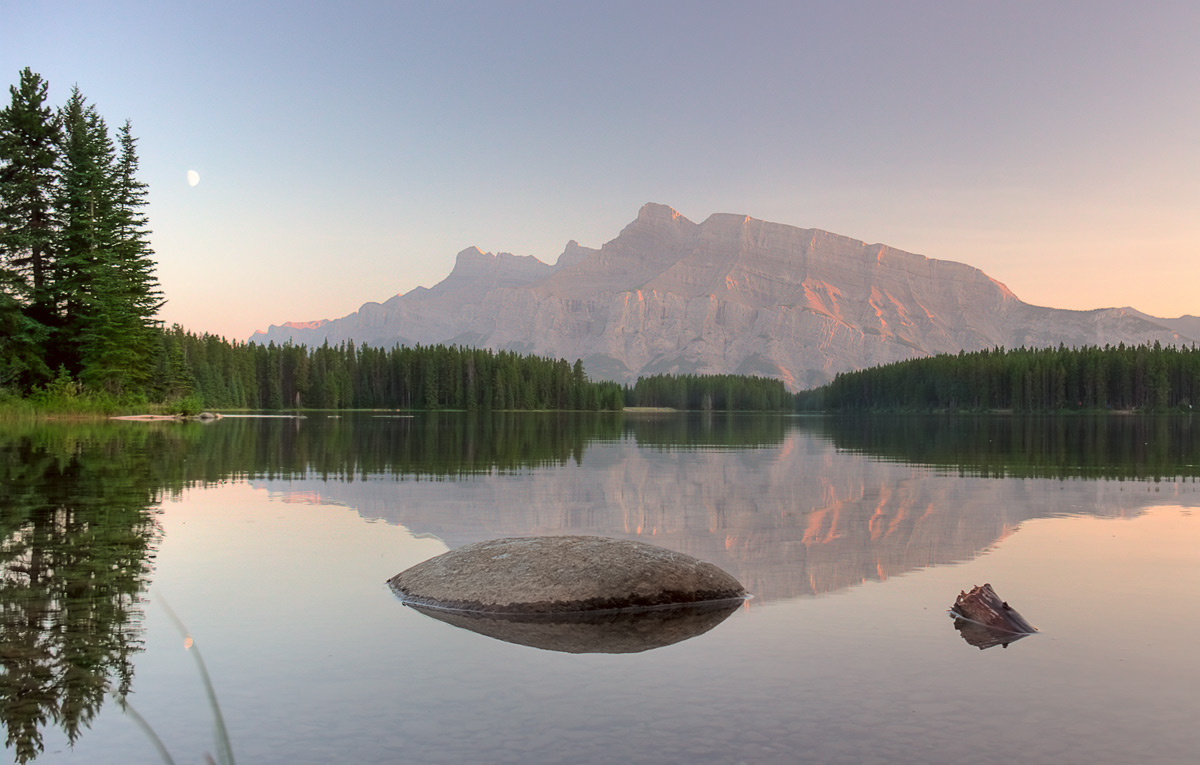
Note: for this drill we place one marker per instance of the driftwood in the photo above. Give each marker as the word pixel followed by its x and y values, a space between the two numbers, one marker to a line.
pixel 984 620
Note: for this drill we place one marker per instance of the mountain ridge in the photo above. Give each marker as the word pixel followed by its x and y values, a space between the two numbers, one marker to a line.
pixel 731 294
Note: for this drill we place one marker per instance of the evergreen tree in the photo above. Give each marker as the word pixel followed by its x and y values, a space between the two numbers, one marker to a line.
pixel 21 349
pixel 29 138
pixel 135 266
pixel 29 135
pixel 81 287
pixel 104 280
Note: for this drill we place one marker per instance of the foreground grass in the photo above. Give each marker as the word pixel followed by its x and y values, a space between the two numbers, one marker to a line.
pixel 76 404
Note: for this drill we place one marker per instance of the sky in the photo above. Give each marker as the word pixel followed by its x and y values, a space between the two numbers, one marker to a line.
pixel 346 152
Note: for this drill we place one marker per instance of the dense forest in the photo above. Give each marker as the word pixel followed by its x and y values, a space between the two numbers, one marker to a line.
pixel 1122 378
pixel 223 375
pixel 711 392
pixel 78 292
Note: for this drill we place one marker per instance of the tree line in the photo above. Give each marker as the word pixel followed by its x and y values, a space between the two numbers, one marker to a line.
pixel 77 287
pixel 711 392
pixel 220 374
pixel 1124 378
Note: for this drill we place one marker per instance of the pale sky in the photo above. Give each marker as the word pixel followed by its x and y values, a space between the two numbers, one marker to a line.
pixel 347 151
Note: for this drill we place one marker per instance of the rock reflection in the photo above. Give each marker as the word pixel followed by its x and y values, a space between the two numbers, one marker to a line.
pixel 631 631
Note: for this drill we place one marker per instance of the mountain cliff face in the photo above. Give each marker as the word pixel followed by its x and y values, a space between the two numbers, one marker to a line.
pixel 729 295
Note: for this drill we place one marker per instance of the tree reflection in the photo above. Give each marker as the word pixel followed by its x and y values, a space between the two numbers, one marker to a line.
pixel 709 430
pixel 1124 447
pixel 79 535
pixel 78 525
pixel 79 529
pixel 438 445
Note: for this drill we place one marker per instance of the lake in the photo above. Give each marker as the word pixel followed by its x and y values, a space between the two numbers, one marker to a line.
pixel 235 572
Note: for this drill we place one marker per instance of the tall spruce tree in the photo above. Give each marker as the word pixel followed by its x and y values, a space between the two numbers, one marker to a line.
pixel 29 139
pixel 133 248
pixel 81 284
pixel 105 288
pixel 118 342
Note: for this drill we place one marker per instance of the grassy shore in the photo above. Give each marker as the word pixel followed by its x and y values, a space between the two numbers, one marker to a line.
pixel 72 403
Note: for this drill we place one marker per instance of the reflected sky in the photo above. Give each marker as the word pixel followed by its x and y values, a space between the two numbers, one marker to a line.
pixel 799 518
pixel 313 659
pixel 282 584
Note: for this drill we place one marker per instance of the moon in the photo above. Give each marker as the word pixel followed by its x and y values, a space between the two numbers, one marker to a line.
pixel 193 177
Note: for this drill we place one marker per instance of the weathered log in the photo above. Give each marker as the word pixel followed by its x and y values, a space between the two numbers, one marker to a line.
pixel 984 606
pixel 984 620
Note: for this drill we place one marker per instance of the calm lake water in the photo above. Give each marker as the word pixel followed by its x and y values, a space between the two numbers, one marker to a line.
pixel 271 540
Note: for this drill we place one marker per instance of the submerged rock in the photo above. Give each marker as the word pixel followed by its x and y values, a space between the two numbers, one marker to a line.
pixel 562 575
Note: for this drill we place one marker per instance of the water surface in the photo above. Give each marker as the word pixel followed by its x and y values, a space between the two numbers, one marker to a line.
pixel 272 540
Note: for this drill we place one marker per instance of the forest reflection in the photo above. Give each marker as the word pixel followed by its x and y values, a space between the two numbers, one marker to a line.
pixel 1125 447
pixel 79 534
pixel 791 509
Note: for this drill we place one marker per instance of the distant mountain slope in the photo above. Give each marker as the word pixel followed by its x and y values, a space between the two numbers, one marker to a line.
pixel 1187 325
pixel 729 295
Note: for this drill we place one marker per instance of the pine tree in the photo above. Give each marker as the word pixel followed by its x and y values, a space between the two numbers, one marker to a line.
pixel 135 258
pixel 21 346
pixel 29 135
pixel 81 285
pixel 104 283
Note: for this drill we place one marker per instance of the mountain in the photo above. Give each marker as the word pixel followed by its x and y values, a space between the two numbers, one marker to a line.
pixel 1187 325
pixel 732 294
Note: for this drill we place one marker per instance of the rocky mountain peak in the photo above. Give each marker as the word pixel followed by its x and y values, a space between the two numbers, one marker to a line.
pixel 573 253
pixel 657 223
pixel 731 295
pixel 472 255
pixel 654 212
pixel 472 263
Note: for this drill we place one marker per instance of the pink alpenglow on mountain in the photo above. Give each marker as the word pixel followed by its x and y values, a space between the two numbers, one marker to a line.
pixel 730 295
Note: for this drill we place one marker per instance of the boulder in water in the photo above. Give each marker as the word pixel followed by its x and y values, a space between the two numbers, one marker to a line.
pixel 562 574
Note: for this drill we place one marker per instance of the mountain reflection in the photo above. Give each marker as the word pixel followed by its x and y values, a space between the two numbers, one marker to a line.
pixel 790 506
pixel 78 540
